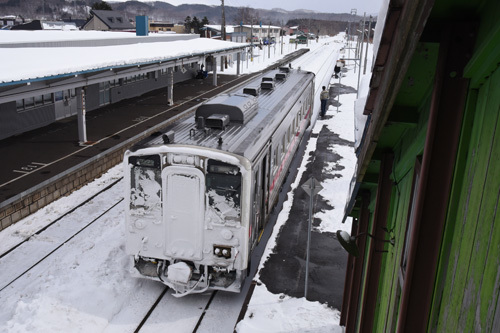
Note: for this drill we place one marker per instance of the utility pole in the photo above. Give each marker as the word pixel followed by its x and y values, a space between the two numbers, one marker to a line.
pixel 354 11
pixel 281 35
pixel 251 38
pixel 361 51
pixel 367 42
pixel 269 41
pixel 223 27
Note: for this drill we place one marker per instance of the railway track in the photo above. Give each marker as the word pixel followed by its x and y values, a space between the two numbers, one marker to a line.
pixel 30 252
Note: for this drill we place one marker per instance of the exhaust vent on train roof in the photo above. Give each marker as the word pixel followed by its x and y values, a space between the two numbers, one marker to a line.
pixel 267 83
pixel 218 121
pixel 281 76
pixel 254 91
pixel 239 109
pixel 168 137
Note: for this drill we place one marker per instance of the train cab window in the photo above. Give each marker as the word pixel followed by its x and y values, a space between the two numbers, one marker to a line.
pixel 223 188
pixel 145 184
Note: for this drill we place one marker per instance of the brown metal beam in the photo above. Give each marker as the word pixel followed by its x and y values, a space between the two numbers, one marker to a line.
pixel 441 144
pixel 348 279
pixel 380 215
pixel 364 220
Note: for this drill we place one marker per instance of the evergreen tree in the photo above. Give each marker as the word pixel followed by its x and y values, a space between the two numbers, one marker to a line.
pixel 187 24
pixel 195 24
pixel 205 21
pixel 103 5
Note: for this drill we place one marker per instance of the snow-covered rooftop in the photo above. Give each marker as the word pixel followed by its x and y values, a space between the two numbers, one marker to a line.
pixel 218 27
pixel 31 63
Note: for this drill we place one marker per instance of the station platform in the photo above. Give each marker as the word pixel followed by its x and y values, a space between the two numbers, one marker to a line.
pixel 35 159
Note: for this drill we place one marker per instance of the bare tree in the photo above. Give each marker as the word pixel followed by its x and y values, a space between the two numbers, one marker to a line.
pixel 245 15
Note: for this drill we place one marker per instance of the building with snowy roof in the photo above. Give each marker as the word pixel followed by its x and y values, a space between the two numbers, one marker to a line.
pixel 108 20
pixel 242 33
pixel 10 20
pixel 45 25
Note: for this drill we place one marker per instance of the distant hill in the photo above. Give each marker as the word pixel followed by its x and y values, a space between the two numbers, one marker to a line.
pixel 163 11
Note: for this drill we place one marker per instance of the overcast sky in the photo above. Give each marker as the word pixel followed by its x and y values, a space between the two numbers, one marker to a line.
pixel 325 6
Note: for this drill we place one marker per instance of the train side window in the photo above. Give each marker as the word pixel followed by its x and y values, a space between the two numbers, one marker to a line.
pixel 20 104
pixel 38 100
pixel 47 99
pixel 275 159
pixel 29 102
pixel 58 96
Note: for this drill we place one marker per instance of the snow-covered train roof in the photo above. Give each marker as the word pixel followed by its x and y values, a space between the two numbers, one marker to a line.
pixel 244 137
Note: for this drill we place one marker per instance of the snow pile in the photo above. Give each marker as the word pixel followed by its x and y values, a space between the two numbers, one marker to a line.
pixel 280 313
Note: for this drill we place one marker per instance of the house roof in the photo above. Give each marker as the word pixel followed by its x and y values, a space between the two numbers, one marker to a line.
pixel 112 19
pixel 218 28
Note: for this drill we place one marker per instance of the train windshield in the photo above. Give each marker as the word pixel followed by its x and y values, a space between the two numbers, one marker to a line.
pixel 145 185
pixel 223 187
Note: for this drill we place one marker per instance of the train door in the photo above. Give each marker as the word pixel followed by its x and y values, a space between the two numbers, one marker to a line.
pixel 259 200
pixel 183 211
pixel 265 186
pixel 257 206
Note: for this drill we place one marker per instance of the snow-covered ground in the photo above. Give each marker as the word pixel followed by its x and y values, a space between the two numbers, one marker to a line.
pixel 87 287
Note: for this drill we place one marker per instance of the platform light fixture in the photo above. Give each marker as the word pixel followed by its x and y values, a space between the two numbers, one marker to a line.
pixel 348 242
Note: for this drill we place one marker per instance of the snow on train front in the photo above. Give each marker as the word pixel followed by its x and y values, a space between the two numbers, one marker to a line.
pixel 186 222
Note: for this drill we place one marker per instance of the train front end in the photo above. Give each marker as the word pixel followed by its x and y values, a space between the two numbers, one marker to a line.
pixel 186 221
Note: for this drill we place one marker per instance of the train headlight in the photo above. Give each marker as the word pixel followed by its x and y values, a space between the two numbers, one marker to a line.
pixel 222 251
pixel 139 224
pixel 226 234
pixel 183 159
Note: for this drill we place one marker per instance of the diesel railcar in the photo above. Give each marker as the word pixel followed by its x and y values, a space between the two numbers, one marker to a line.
pixel 201 191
